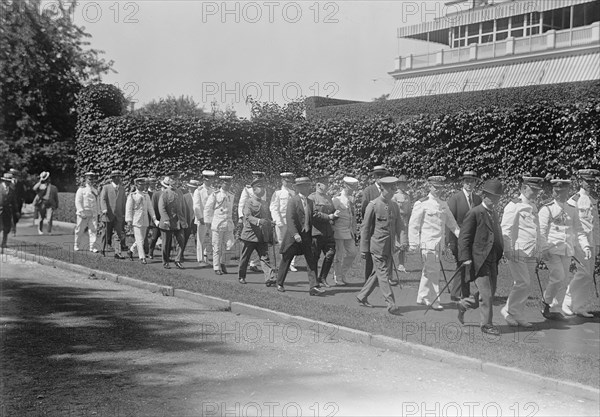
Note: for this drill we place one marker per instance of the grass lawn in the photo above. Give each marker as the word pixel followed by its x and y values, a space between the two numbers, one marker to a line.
pixel 520 350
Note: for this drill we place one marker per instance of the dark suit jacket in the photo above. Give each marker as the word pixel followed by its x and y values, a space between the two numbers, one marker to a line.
pixel 113 202
pixel 8 207
pixel 189 209
pixel 155 199
pixel 382 227
pixel 254 210
pixel 369 194
pixel 295 217
pixel 459 207
pixel 172 212
pixel 478 234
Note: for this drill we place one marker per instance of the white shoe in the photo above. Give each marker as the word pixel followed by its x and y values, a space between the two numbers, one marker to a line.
pixel 40 232
pixel 567 311
pixel 524 323
pixel 293 268
pixel 75 248
pixel 511 321
pixel 95 250
pixel 401 268
pixel 585 314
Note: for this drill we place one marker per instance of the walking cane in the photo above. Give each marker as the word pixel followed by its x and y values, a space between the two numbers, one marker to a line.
pixel 537 274
pixel 447 284
pixel 593 276
pixel 445 279
pixel 397 282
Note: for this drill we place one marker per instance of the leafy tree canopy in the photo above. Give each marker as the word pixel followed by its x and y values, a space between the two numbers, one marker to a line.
pixel 183 106
pixel 45 60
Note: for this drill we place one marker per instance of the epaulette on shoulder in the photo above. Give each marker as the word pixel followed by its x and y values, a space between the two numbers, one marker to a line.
pixel 548 202
pixel 575 197
pixel 572 203
pixel 424 199
pixel 516 200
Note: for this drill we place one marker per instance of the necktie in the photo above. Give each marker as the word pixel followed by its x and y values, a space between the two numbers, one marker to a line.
pixel 470 200
pixel 305 205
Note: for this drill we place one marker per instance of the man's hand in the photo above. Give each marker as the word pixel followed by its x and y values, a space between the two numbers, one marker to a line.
pixel 297 238
pixel 336 214
pixel 468 262
pixel 263 222
pixel 104 211
pixel 156 222
pixel 588 253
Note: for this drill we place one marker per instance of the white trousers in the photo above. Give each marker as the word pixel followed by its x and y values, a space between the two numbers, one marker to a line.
pixel 429 287
pixel 515 304
pixel 221 242
pixel 201 241
pixel 580 288
pixel 91 223
pixel 558 265
pixel 345 252
pixel 140 234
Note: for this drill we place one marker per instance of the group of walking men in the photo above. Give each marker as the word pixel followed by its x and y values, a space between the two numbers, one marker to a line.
pixel 305 220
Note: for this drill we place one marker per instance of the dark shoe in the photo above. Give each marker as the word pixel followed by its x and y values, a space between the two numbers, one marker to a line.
pixel 316 291
pixel 144 261
pixel 364 303
pixel 254 268
pixel 324 283
pixel 242 281
pixel 130 254
pixel 548 315
pixel 178 265
pixel 280 288
pixel 150 256
pixel 489 329
pixel 119 256
pixel 223 268
pixel 393 282
pixel 453 298
pixel 270 283
pixel 103 253
pixel 219 272
pixel 394 310
pixel 203 264
pixel 166 265
pixel 461 313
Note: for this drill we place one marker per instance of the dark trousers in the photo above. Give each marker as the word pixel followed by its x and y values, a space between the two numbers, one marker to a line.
pixel 304 248
pixel 117 226
pixel 379 278
pixel 186 236
pixel 368 266
pixel 460 287
pixel 153 234
pixel 486 288
pixel 325 245
pixel 262 248
pixel 167 240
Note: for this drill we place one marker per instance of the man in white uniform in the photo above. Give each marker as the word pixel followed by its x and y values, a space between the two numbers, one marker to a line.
pixel 218 215
pixel 200 197
pixel 278 207
pixel 86 206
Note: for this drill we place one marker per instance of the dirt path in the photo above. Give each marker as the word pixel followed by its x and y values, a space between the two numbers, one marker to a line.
pixel 71 346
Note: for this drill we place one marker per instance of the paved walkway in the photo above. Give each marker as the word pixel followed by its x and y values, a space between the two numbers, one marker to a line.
pixel 577 335
pixel 72 346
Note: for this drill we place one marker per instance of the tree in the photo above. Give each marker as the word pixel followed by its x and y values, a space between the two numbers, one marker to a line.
pixel 292 111
pixel 44 62
pixel 383 97
pixel 183 106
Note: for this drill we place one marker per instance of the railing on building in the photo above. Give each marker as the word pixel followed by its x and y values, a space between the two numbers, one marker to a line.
pixel 512 46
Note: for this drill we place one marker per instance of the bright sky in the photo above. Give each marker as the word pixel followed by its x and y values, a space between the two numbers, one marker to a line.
pixel 271 50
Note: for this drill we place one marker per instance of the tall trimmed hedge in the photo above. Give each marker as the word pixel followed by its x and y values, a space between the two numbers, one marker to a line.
pixel 539 138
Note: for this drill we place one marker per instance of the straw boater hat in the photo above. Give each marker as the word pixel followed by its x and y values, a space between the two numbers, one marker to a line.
pixel 351 182
pixel 44 175
pixel 167 182
pixel 381 170
pixel 469 174
pixel 388 180
pixel 258 173
pixel 303 181
pixel 116 173
pixel 207 173
pixel 287 176
pixel 7 177
pixel 193 183
pixel 140 181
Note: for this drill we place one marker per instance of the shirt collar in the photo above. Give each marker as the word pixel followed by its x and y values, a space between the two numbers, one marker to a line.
pixel 583 192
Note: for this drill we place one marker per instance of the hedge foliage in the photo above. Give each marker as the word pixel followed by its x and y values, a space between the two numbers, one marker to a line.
pixel 325 108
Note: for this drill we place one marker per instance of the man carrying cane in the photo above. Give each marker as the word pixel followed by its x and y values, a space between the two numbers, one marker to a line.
pixel 257 232
pixel 480 247
pixel 579 290
pixel 521 234
pixel 247 193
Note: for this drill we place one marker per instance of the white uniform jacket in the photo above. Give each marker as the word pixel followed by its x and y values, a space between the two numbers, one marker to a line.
pixel 218 211
pixel 86 202
pixel 279 203
pixel 345 226
pixel 588 215
pixel 560 229
pixel 520 228
pixel 137 209
pixel 428 221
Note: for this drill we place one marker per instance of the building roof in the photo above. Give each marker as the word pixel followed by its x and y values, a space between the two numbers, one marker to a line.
pixel 482 14
pixel 526 72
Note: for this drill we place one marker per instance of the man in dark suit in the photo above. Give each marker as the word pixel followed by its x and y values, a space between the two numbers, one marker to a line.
pixel 8 208
pixel 480 248
pixel 112 213
pixel 188 200
pixel 298 236
pixel 154 232
pixel 172 221
pixel 383 230
pixel 460 203
pixel 370 193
